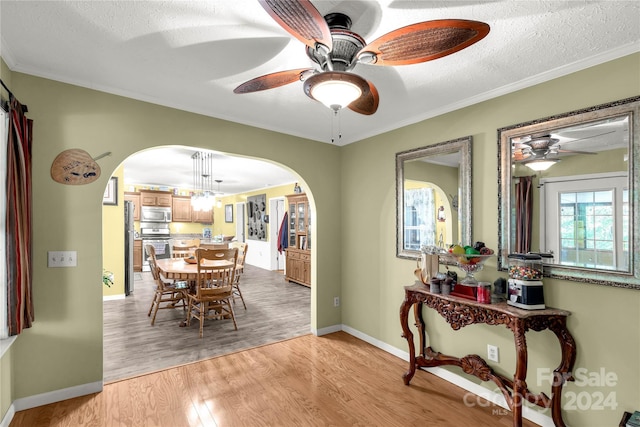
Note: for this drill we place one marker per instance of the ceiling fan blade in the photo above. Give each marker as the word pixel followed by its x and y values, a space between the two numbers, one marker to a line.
pixel 424 41
pixel 273 80
pixel 301 19
pixel 368 102
pixel 520 155
pixel 574 151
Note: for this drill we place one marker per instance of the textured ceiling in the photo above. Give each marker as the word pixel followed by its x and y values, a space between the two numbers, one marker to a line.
pixel 190 55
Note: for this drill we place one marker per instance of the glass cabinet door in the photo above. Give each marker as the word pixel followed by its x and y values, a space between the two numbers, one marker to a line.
pixel 301 216
pixel 308 228
pixel 292 225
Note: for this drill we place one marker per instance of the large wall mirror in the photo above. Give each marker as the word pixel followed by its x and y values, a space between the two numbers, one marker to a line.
pixel 569 190
pixel 433 196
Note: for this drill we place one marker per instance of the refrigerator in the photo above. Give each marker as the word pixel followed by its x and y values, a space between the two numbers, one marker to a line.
pixel 129 235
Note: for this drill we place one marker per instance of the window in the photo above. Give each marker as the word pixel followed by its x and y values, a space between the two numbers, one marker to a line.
pixel 587 221
pixel 419 214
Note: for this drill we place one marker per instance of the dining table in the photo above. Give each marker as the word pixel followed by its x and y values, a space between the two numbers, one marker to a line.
pixel 180 270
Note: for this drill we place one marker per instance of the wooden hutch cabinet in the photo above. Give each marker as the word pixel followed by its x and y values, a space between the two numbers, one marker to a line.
pixel 155 198
pixel 135 199
pixel 299 250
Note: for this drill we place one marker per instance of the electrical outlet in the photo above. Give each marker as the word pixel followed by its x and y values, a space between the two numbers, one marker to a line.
pixel 62 259
pixel 493 353
pixel 336 301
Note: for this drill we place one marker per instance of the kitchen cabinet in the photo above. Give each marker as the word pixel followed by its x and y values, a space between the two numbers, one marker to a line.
pixel 181 208
pixel 155 198
pixel 298 262
pixel 134 198
pixel 137 255
pixel 182 211
pixel 204 217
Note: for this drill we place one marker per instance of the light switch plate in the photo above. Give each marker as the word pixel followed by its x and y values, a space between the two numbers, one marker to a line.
pixel 62 259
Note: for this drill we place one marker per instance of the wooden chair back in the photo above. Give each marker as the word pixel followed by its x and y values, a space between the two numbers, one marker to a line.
pixel 184 248
pixel 151 252
pixel 216 272
pixel 242 252
pixel 155 272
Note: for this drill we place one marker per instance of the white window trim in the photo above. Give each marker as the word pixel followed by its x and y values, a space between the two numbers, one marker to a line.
pixel 573 178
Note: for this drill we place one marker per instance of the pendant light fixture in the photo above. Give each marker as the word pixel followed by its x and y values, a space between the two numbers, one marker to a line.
pixel 218 194
pixel 203 198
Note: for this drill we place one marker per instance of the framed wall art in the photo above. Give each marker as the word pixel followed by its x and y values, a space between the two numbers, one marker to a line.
pixel 256 210
pixel 228 213
pixel 111 192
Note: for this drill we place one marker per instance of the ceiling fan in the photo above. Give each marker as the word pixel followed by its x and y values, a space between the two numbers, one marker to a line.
pixel 336 50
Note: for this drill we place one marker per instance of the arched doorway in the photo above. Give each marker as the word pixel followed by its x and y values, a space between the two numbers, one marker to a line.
pixel 132 346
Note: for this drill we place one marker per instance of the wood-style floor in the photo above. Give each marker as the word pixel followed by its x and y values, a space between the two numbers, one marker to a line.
pixel 276 310
pixel 334 380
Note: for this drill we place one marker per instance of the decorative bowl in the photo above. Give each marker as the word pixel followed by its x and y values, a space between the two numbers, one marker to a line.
pixel 468 259
pixel 470 264
pixel 190 260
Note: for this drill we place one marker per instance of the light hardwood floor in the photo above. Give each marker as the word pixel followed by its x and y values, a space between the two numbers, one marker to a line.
pixel 276 310
pixel 334 380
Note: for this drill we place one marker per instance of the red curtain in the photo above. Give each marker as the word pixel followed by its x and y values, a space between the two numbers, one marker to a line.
pixel 18 221
pixel 524 211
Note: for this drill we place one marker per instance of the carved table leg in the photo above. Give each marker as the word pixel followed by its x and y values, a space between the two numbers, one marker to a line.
pixel 520 376
pixel 417 315
pixel 406 333
pixel 564 371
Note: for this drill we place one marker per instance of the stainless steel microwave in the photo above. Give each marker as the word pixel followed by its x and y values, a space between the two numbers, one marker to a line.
pixel 155 214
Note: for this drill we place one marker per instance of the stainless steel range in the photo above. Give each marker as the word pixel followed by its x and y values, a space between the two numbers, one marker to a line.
pixel 156 234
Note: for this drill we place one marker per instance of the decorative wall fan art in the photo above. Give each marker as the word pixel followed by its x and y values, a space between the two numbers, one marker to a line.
pixel 256 214
pixel 75 167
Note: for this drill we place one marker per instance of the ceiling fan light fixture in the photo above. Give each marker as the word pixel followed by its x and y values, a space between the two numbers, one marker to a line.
pixel 541 165
pixel 335 89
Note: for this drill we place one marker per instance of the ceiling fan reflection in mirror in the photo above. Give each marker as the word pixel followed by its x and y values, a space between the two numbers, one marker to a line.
pixel 540 152
pixel 336 50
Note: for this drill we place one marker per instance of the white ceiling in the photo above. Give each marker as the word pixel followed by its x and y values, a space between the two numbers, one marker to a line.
pixel 190 55
pixel 173 167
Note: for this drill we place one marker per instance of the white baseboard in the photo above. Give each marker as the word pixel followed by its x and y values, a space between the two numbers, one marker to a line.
pixel 6 420
pixel 327 330
pixel 57 396
pixel 462 382
pixel 113 297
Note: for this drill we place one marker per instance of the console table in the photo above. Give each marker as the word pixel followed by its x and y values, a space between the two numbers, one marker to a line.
pixel 460 312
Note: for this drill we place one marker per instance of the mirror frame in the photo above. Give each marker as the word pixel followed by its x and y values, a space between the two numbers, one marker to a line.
pixel 628 106
pixel 461 145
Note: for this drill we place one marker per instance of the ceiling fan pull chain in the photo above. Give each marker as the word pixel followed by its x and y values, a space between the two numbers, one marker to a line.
pixel 335 117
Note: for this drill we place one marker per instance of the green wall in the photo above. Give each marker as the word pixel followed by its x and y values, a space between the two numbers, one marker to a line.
pixel 605 320
pixel 64 348
pixel 352 190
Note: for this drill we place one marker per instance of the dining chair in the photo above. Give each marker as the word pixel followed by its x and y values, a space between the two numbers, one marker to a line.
pixel 184 248
pixel 166 295
pixel 242 255
pixel 214 286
